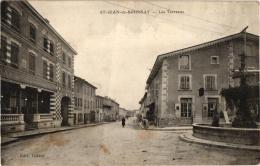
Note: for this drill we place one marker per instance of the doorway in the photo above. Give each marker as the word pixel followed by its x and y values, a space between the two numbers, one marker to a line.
pixel 65 101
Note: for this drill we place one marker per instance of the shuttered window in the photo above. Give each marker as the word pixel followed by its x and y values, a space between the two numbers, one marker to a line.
pixel 210 83
pixel 185 82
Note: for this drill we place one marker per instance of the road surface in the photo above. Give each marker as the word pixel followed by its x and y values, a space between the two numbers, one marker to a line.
pixel 110 144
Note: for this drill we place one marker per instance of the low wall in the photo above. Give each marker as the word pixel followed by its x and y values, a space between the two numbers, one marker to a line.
pixel 227 134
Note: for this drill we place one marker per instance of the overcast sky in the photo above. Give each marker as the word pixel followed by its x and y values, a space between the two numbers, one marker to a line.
pixel 117 51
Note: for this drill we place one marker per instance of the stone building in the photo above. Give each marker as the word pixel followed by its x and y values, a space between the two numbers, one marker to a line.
pixel 34 91
pixel 85 102
pixel 108 107
pixel 177 77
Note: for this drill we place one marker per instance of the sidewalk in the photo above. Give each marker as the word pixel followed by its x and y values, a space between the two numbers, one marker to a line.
pixel 188 137
pixel 13 137
pixel 177 128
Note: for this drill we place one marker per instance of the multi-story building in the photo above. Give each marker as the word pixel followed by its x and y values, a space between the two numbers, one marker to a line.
pixel 122 113
pixel 108 107
pixel 177 77
pixel 33 93
pixel 84 100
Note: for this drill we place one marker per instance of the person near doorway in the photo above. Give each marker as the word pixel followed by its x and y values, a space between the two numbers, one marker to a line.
pixel 123 121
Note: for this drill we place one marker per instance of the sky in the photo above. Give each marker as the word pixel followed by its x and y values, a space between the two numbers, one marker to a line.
pixel 116 51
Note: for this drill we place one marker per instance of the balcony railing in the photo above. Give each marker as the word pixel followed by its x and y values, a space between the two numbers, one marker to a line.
pixel 11 118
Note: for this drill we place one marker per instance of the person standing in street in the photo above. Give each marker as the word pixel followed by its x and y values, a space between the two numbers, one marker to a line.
pixel 123 121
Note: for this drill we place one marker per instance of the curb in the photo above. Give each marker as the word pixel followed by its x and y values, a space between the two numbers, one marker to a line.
pixel 169 129
pixel 22 137
pixel 187 137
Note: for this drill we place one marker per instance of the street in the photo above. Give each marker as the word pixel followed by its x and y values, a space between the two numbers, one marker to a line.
pixel 110 144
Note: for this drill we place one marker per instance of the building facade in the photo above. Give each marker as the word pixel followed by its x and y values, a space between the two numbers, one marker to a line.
pixel 85 101
pixel 177 79
pixel 32 90
pixel 108 108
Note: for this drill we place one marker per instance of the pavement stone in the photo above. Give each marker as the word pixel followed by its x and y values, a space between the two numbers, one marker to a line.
pixel 188 137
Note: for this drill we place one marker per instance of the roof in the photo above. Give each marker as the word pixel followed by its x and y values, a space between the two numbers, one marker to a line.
pixel 143 98
pixel 39 16
pixel 83 80
pixel 160 58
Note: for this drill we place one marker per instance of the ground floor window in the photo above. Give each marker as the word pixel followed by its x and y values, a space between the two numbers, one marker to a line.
pixel 186 107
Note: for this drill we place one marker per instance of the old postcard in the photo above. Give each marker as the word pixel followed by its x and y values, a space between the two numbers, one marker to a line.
pixel 129 82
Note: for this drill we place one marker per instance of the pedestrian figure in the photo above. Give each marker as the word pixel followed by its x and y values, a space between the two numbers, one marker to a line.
pixel 123 121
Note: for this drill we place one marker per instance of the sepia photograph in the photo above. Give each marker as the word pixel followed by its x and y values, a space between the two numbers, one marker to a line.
pixel 129 82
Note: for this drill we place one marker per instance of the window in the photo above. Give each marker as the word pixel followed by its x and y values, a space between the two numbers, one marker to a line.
pixel 51 48
pixel 75 101
pixel 3 50
pixel 64 58
pixel 210 82
pixel 32 33
pixel 45 68
pixel 79 102
pixel 14 54
pixel 63 79
pixel 31 63
pixel 184 62
pixel 214 60
pixel 45 44
pixel 85 104
pixel 15 19
pixel 4 11
pixel 69 81
pixel 51 72
pixel 186 107
pixel 69 61
pixel 184 82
